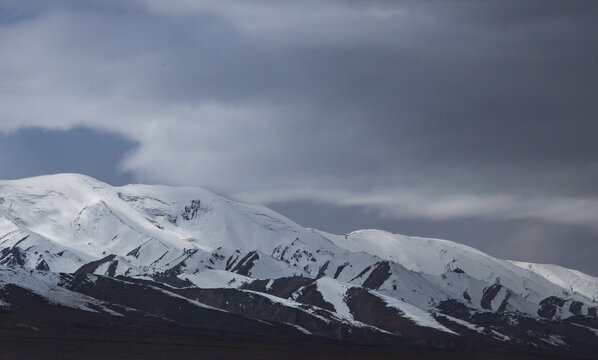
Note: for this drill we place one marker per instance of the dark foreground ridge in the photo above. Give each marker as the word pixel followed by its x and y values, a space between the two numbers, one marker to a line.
pixel 150 320
pixel 55 332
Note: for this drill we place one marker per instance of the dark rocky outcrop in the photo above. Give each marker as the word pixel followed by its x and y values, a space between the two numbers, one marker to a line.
pixel 13 256
pixel 243 267
pixel 42 265
pixel 91 267
pixel 549 306
pixel 378 276
pixel 489 295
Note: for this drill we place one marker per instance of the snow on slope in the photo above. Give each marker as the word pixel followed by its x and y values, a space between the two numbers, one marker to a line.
pixel 435 257
pixel 44 285
pixel 470 326
pixel 68 220
pixel 76 212
pixel 48 254
pixel 93 219
pixel 213 279
pixel 569 279
pixel 214 221
pixel 417 315
pixel 335 292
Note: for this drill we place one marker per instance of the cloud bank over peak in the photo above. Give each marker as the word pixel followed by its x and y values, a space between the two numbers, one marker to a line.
pixel 410 109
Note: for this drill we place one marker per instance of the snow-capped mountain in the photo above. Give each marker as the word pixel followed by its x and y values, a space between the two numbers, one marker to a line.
pixel 80 243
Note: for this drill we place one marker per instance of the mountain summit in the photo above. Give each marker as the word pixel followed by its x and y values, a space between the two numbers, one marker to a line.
pixel 187 255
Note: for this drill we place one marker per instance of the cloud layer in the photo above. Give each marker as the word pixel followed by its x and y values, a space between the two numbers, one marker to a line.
pixel 412 109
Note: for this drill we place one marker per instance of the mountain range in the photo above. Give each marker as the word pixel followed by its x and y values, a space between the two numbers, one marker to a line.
pixel 170 257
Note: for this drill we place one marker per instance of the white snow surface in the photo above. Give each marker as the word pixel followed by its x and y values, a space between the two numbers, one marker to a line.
pixel 44 284
pixel 215 279
pixel 573 280
pixel 67 220
pixel 464 323
pixel 434 257
pixel 335 292
pixel 303 330
pixel 417 315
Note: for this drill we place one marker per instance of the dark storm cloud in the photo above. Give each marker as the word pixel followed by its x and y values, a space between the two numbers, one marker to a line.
pixel 410 111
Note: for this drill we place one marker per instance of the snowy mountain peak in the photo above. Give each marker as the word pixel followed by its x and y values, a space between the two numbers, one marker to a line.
pixel 191 237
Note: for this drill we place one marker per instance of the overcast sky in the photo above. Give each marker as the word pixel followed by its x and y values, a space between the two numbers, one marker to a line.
pixel 475 121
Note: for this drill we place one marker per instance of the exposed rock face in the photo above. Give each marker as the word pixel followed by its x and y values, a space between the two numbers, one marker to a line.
pixel 378 276
pixel 489 295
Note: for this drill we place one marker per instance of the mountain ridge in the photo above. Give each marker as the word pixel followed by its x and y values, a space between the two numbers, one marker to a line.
pixel 73 233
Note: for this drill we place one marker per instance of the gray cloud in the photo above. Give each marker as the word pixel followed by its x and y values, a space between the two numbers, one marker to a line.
pixel 34 151
pixel 523 240
pixel 443 111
